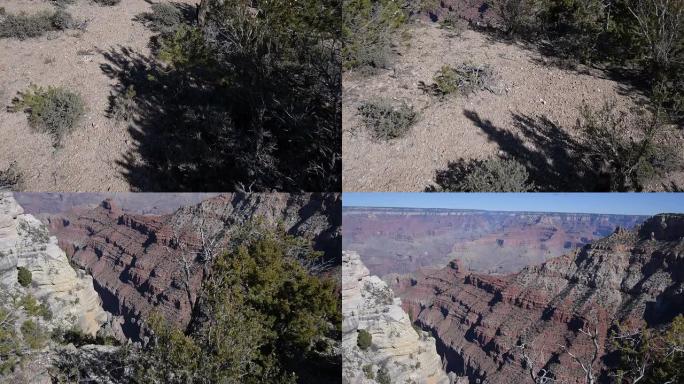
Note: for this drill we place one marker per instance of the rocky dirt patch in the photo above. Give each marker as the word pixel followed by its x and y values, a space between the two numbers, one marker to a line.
pixel 533 110
pixel 90 157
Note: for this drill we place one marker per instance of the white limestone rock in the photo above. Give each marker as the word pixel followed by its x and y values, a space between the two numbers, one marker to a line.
pixel 409 356
pixel 25 242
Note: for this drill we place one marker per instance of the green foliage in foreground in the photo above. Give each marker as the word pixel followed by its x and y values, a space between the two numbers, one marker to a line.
pixel 251 94
pixel 53 110
pixel 263 316
pixel 24 277
pixel 364 339
pixel 657 356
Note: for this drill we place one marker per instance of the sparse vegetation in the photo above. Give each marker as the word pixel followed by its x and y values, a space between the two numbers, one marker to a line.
pixel 33 336
pixel 123 104
pixel 364 339
pixel 368 372
pixel 383 376
pixel 386 121
pixel 24 277
pixel 54 110
pixel 164 18
pixel 23 26
pixel 631 149
pixel 33 308
pixel 464 79
pixel 109 2
pixel 490 175
pixel 11 178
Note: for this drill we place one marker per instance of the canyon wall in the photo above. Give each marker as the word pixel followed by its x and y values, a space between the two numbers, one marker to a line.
pixel 632 277
pixel 404 240
pixel 68 293
pixel 146 263
pixel 406 355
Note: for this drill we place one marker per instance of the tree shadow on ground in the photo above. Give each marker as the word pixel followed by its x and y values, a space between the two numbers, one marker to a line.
pixel 554 159
pixel 558 53
pixel 175 129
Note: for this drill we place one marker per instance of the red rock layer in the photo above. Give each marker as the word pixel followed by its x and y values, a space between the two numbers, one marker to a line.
pixel 395 240
pixel 140 264
pixel 630 277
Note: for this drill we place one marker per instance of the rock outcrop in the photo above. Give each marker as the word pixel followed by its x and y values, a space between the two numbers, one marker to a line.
pixel 407 355
pixel 403 240
pixel 67 292
pixel 632 277
pixel 145 263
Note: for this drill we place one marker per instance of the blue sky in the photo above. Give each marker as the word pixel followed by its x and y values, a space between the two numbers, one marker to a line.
pixel 616 203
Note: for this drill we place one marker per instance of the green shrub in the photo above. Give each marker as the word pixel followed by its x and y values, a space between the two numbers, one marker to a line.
pixel 11 178
pixel 24 277
pixel 383 376
pixel 368 371
pixel 386 121
pixel 123 104
pixel 632 149
pixel 164 18
pixel 364 339
pixel 9 342
pixel 23 26
pixel 465 79
pixel 54 110
pixel 33 336
pixel 517 16
pixel 367 31
pixel 490 175
pixel 34 308
pixel 263 315
pixel 108 2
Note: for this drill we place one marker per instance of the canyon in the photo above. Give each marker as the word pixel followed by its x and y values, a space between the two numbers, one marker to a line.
pixel 156 263
pixel 554 316
pixel 407 240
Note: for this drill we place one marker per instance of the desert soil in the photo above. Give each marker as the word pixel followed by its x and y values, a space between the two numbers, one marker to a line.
pixel 530 86
pixel 88 160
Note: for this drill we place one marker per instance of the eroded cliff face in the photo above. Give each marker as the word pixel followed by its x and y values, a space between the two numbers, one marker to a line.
pixel 632 277
pixel 408 355
pixel 68 293
pixel 146 263
pixel 401 240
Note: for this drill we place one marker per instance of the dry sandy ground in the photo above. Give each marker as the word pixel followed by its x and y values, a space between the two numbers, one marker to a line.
pixel 444 132
pixel 72 59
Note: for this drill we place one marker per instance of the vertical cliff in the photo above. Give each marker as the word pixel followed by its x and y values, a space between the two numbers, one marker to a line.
pixel 406 355
pixel 68 293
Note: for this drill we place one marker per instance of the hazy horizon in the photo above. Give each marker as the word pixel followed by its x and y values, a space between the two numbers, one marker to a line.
pixel 642 204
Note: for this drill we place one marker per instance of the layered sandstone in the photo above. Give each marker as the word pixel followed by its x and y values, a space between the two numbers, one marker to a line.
pixel 146 263
pixel 407 354
pixel 69 293
pixel 403 240
pixel 632 277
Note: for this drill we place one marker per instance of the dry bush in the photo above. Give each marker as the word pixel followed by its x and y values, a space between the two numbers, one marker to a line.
pixel 385 120
pixel 490 175
pixel 54 110
pixel 634 150
pixel 11 179
pixel 107 2
pixel 464 79
pixel 23 26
